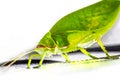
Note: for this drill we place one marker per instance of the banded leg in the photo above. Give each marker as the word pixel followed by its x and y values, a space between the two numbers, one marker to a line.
pixel 104 49
pixel 84 51
pixel 30 59
pixel 65 56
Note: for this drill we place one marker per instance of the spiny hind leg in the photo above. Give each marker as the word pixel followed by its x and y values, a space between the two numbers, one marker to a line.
pixel 84 51
pixel 31 57
pixel 104 49
pixel 65 56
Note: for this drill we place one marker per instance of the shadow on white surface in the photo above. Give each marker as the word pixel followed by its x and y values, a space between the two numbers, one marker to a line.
pixel 93 69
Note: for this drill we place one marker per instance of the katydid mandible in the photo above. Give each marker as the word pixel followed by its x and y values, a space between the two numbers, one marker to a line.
pixel 77 31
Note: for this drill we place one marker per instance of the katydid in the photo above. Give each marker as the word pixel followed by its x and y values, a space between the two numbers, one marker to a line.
pixel 78 31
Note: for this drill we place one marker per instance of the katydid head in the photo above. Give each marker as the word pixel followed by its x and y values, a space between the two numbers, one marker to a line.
pixel 45 50
pixel 46 45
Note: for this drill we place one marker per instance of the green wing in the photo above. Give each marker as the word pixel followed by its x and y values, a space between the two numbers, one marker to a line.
pixel 87 17
pixel 91 18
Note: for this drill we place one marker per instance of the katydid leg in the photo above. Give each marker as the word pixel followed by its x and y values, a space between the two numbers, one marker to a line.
pixel 104 49
pixel 30 59
pixel 65 56
pixel 41 61
pixel 84 51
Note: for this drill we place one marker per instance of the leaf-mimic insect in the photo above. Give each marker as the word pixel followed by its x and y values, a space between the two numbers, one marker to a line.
pixel 77 31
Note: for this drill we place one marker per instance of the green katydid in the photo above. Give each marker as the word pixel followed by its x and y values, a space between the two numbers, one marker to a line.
pixel 77 31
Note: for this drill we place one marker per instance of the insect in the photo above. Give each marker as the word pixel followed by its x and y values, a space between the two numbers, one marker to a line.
pixel 77 31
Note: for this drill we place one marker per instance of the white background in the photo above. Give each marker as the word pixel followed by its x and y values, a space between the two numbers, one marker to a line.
pixel 22 25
